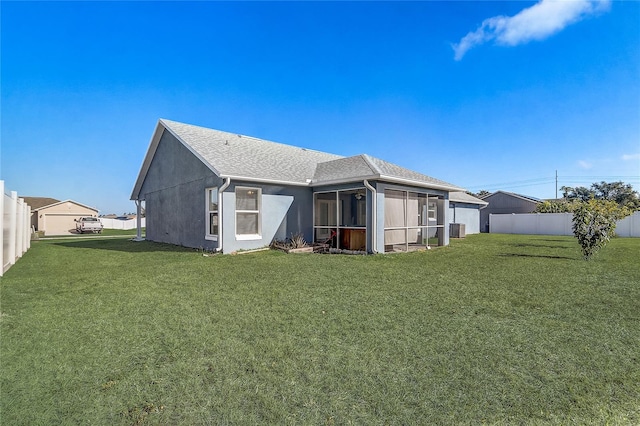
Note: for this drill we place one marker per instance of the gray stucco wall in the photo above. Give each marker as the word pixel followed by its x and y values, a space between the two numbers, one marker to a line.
pixel 469 214
pixel 174 194
pixel 285 210
pixel 503 203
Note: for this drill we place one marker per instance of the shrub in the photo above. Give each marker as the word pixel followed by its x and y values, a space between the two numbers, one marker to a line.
pixel 594 223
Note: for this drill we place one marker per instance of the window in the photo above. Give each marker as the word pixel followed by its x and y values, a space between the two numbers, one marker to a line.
pixel 248 213
pixel 212 214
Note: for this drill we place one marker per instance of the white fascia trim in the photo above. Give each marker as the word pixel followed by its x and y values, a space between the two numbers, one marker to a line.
pixel 146 162
pixel 268 181
pixel 355 179
pixel 420 183
pixel 66 201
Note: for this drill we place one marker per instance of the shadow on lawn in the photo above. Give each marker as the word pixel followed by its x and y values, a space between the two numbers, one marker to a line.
pixel 125 245
pixel 542 256
pixel 543 245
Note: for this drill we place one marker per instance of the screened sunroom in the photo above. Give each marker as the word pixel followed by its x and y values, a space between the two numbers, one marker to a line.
pixel 412 220
pixel 340 218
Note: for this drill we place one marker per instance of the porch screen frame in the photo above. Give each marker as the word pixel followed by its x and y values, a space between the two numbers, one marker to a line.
pixel 336 222
pixel 414 221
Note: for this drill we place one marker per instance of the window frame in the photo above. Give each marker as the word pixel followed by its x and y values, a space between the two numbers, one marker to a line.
pixel 208 235
pixel 257 212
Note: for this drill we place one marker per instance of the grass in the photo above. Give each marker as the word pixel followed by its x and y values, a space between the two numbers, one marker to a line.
pixel 494 329
pixel 105 232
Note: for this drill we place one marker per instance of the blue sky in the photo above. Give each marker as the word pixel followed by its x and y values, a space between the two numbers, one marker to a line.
pixel 485 95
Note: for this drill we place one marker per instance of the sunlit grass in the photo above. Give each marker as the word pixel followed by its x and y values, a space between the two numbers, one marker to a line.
pixel 494 328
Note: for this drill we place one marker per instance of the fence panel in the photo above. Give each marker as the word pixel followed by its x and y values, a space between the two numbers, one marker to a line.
pixel 14 229
pixel 629 226
pixel 552 224
pixel 109 223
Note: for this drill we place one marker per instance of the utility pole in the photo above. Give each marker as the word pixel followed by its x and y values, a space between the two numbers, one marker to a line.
pixel 556 184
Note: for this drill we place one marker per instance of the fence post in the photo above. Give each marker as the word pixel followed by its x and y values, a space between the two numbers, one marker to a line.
pixel 13 206
pixel 27 228
pixel 19 226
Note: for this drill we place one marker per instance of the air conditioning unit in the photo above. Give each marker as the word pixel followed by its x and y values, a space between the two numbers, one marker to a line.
pixel 456 230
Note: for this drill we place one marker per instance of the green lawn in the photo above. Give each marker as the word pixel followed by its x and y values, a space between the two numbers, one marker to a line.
pixel 494 329
pixel 105 232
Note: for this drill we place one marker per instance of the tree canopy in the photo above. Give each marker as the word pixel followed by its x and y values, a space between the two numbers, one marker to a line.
pixel 619 192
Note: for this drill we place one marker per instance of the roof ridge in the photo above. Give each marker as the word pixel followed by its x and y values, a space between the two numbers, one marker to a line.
pixel 367 158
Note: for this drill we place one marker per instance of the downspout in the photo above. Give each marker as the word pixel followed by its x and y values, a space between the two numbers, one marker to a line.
pixel 138 221
pixel 374 215
pixel 225 185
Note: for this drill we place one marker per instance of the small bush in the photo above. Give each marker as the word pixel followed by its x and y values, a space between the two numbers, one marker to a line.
pixel 594 223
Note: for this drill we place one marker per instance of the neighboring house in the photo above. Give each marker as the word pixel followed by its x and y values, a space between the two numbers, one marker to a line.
pixel 465 209
pixel 215 190
pixel 505 202
pixel 55 217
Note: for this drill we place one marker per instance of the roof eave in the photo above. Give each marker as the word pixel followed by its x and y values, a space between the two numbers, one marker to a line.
pixel 344 180
pixel 263 180
pixel 151 152
pixel 66 201
pixel 393 179
pixel 444 187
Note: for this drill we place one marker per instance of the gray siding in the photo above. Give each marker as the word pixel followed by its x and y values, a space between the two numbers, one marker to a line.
pixel 174 194
pixel 503 203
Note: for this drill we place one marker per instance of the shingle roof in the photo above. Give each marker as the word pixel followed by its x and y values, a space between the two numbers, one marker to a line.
pixel 364 166
pixel 231 155
pixel 62 202
pixel 234 155
pixel 463 197
pixel 513 194
pixel 38 202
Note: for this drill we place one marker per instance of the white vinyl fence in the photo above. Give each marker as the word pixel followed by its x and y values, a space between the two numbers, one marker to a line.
pixel 121 224
pixel 14 232
pixel 552 224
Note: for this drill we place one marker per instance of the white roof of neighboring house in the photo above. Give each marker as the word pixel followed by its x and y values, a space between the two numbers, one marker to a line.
pixel 235 156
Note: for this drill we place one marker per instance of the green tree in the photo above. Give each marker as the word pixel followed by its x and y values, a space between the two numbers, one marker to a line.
pixel 578 193
pixel 623 194
pixel 594 223
pixel 479 194
pixel 553 206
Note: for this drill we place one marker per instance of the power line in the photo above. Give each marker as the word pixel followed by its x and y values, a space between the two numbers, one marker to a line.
pixel 535 181
pixel 559 179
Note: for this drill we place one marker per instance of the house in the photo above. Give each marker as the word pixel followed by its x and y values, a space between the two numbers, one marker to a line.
pixel 215 190
pixel 55 217
pixel 505 202
pixel 465 209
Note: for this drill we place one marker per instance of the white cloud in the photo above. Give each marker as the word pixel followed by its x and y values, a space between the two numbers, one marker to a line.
pixel 584 164
pixel 537 22
pixel 629 157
